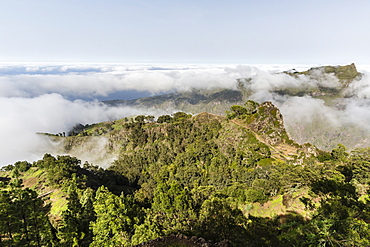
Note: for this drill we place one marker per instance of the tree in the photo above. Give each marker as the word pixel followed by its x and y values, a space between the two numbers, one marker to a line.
pixel 339 153
pixel 237 111
pixel 22 166
pixel 251 107
pixel 179 116
pixel 70 232
pixel 24 220
pixel 115 219
pixel 59 169
pixel 172 207
pixel 341 217
pixel 148 230
pixel 149 118
pixel 218 221
pixel 164 119
pixel 140 119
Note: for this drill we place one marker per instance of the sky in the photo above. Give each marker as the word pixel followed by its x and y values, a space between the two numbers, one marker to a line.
pixel 202 31
pixel 58 59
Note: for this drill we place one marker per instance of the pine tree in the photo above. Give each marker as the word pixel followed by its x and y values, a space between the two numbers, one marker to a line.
pixel 70 230
pixel 24 220
pixel 115 219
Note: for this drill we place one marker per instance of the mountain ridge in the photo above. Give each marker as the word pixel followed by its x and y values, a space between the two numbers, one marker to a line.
pixel 106 139
pixel 331 86
pixel 237 179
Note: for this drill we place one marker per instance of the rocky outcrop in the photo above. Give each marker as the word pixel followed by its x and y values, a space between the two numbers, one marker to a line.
pixel 267 121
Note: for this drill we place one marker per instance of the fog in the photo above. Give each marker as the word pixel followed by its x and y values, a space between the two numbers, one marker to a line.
pixel 23 118
pixel 308 119
pixel 101 81
pixel 53 98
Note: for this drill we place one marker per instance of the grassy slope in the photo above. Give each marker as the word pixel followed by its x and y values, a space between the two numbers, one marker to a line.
pixel 279 205
pixel 35 178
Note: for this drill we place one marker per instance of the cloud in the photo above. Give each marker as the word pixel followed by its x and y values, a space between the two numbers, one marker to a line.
pixel 37 97
pixel 266 81
pixel 22 118
pixel 41 98
pixel 309 119
pixel 102 80
pixel 96 81
pixel 360 88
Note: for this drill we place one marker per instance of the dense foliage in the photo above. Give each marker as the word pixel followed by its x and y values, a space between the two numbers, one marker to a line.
pixel 195 176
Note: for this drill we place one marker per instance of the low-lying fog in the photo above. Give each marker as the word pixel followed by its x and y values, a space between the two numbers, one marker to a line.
pixel 53 98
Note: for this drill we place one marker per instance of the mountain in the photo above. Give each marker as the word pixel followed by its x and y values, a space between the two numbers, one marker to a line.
pixel 183 180
pixel 103 142
pixel 216 101
pixel 346 74
pixel 326 88
pixel 237 179
pixel 327 92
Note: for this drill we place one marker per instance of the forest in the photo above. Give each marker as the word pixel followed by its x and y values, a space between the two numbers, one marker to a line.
pixel 198 180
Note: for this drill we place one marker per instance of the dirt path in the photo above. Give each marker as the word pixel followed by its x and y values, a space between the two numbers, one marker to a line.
pixel 281 151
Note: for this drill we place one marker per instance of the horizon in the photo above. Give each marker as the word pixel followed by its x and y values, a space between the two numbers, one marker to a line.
pixel 54 98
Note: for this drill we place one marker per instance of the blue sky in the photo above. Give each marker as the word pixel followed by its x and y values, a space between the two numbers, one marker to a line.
pixel 202 31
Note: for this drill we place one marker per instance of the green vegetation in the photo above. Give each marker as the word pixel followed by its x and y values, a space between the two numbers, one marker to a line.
pixel 237 179
pixel 345 74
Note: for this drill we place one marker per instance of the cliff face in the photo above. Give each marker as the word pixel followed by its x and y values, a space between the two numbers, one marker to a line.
pixel 268 122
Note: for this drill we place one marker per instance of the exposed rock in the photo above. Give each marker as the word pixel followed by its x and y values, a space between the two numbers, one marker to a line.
pixel 267 121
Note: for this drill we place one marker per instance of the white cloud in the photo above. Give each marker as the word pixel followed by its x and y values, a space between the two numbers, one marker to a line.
pixel 33 98
pixel 94 81
pixel 90 81
pixel 360 88
pixel 22 118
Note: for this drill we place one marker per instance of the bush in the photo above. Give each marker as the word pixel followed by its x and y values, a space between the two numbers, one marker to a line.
pixel 22 166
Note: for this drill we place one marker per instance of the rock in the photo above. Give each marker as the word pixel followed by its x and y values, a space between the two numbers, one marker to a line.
pixel 268 122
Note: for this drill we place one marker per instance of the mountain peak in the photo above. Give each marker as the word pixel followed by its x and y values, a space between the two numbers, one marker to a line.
pixel 345 73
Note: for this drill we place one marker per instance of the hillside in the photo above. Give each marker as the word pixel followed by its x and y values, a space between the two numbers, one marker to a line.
pixel 183 180
pixel 327 92
pixel 346 74
pixel 104 141
pixel 216 101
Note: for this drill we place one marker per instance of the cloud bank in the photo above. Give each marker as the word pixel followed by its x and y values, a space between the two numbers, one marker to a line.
pixel 23 118
pixel 53 98
pixel 99 81
pixel 309 119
